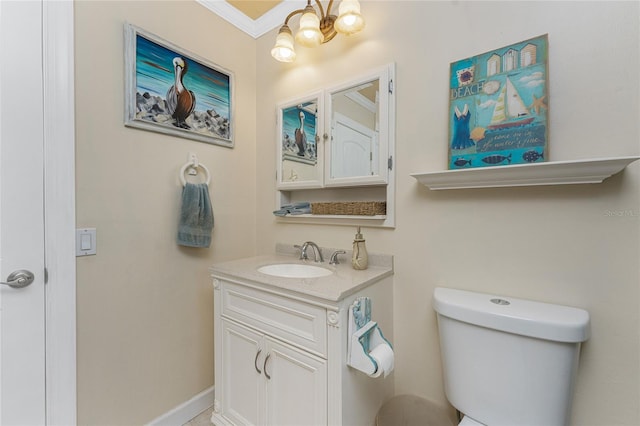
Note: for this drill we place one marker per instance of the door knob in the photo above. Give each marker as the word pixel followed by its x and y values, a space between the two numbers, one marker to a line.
pixel 20 278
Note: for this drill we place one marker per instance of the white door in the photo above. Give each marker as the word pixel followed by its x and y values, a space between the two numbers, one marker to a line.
pixel 22 310
pixel 352 149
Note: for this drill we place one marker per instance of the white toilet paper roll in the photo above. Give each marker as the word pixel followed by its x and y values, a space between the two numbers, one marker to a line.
pixel 383 356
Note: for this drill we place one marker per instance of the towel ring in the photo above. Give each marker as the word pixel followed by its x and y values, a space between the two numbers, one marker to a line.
pixel 194 165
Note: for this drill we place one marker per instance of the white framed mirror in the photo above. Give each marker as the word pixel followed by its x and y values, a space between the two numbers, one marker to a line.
pixel 300 155
pixel 360 123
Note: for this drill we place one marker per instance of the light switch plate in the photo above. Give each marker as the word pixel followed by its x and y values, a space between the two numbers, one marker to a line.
pixel 85 241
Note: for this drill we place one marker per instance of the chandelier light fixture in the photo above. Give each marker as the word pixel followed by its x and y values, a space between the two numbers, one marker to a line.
pixel 315 30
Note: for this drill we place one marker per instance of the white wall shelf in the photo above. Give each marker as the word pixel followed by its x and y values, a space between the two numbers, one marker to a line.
pixel 535 174
pixel 347 220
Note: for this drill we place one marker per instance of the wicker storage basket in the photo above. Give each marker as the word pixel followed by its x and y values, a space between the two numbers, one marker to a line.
pixel 354 208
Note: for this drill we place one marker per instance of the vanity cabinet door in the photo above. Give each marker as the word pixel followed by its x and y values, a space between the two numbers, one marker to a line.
pixel 296 386
pixel 264 375
pixel 242 390
pixel 268 382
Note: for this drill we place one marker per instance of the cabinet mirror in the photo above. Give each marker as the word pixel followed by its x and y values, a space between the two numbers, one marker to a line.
pixel 341 136
pixel 300 155
pixel 359 140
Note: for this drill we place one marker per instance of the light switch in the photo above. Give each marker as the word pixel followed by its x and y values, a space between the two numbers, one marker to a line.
pixel 85 241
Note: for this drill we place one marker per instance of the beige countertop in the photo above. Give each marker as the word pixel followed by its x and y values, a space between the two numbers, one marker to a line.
pixel 343 282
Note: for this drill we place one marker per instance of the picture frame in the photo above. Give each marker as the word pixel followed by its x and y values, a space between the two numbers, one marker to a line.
pixel 172 91
pixel 498 106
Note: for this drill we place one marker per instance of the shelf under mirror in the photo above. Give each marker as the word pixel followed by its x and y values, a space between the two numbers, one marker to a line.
pixel 347 195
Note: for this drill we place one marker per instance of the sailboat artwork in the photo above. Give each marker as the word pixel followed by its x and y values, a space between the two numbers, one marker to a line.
pixel 509 105
pixel 499 107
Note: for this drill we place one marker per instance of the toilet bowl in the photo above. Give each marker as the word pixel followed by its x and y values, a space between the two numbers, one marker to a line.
pixel 508 361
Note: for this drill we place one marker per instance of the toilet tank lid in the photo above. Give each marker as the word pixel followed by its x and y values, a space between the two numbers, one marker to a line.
pixel 512 315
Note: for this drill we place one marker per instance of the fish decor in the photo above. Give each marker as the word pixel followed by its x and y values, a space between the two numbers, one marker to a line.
pixel 461 162
pixel 532 156
pixel 497 159
pixel 498 106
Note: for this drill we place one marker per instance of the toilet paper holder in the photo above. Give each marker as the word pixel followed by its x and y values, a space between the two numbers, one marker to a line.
pixel 362 339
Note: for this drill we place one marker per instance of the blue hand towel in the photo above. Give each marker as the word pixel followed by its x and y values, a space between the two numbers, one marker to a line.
pixel 196 216
pixel 303 207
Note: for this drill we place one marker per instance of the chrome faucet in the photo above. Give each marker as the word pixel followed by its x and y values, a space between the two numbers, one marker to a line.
pixel 334 257
pixel 317 253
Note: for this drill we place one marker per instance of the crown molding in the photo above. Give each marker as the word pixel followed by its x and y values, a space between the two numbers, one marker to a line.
pixel 255 28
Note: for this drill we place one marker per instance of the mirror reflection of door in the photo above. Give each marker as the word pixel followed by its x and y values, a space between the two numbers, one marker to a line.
pixel 354 133
pixel 354 151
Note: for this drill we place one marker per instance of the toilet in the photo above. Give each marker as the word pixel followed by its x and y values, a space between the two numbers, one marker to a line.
pixel 508 361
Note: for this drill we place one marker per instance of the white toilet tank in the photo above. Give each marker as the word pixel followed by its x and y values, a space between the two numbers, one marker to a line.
pixel 509 361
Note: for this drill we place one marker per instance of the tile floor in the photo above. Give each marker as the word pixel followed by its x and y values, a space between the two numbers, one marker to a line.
pixel 202 419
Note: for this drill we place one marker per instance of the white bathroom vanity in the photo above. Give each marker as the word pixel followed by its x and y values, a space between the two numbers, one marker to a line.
pixel 281 344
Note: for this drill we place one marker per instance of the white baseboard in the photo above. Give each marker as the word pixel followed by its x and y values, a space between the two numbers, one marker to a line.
pixel 187 410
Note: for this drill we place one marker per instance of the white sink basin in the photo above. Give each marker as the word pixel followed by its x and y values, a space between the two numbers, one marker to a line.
pixel 294 270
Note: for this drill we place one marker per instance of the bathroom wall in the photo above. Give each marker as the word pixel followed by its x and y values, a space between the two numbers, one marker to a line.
pixel 145 308
pixel 145 304
pixel 576 245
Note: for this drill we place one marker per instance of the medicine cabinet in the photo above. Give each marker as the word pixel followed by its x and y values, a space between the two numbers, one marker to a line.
pixel 339 137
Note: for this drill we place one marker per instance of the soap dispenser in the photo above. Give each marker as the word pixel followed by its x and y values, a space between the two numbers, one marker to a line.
pixel 360 258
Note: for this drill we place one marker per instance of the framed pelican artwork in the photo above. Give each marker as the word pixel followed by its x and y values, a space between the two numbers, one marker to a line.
pixel 172 91
pixel 498 106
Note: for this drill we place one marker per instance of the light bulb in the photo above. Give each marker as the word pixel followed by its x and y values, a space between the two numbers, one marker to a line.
pixel 283 51
pixel 349 21
pixel 309 34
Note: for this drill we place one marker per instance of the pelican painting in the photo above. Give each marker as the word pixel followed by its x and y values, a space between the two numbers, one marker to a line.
pixel 298 130
pixel 180 101
pixel 301 137
pixel 162 85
